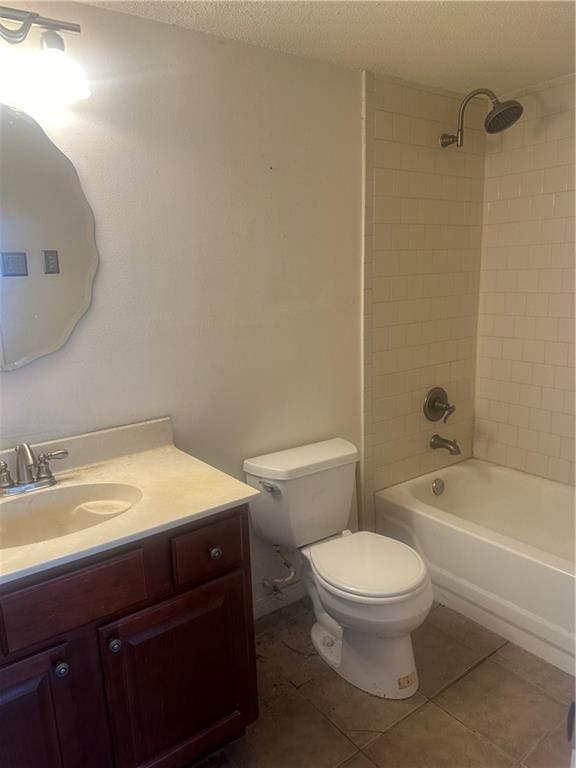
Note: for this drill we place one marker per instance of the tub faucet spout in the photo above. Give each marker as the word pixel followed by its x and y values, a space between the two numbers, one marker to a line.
pixel 451 446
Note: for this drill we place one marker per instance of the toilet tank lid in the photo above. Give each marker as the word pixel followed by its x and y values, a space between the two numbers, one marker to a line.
pixel 304 460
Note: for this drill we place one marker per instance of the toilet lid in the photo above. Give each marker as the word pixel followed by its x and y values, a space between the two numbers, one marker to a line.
pixel 368 564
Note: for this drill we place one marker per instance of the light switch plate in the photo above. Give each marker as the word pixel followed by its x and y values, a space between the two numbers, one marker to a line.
pixel 51 263
pixel 14 264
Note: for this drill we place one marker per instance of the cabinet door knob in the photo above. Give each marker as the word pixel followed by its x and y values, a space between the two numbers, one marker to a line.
pixel 215 553
pixel 115 645
pixel 61 669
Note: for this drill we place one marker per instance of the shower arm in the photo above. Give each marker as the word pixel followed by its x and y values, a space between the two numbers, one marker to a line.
pixel 449 138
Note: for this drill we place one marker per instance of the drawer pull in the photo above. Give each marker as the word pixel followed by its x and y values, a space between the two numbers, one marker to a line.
pixel 115 645
pixel 62 669
pixel 208 552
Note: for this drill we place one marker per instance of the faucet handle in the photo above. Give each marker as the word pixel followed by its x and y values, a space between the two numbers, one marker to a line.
pixel 448 411
pixel 44 471
pixel 61 453
pixel 436 405
pixel 5 476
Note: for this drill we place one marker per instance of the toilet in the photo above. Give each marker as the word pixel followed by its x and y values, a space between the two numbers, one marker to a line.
pixel 369 592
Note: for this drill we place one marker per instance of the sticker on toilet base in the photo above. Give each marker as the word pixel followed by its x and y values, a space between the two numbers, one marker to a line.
pixel 407 680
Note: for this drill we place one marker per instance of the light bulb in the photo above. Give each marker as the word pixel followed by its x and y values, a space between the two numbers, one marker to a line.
pixel 41 80
pixel 58 79
pixel 15 66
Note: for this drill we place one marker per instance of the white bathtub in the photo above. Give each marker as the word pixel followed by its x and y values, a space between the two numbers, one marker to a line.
pixel 500 548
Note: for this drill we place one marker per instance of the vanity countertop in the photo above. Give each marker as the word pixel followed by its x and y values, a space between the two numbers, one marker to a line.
pixel 176 489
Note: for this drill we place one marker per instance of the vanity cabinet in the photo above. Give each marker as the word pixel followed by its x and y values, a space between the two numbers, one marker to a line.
pixel 31 698
pixel 139 658
pixel 177 673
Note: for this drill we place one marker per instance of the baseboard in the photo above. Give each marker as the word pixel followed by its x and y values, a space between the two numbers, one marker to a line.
pixel 269 603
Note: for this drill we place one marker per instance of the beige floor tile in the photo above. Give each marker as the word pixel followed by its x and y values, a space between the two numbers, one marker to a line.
pixel 552 752
pixel 354 710
pixel 286 653
pixel 269 623
pixel 552 680
pixel 430 738
pixel 362 738
pixel 505 708
pixel 291 733
pixel 271 684
pixel 439 659
pixel 358 761
pixel 300 609
pixel 464 630
pixel 215 760
pixel 298 613
pixel 295 632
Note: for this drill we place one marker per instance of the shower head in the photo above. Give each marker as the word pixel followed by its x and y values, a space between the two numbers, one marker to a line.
pixel 502 115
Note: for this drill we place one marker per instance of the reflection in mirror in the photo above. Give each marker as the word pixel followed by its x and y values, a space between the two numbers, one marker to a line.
pixel 48 255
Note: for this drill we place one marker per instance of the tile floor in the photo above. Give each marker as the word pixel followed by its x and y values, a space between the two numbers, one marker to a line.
pixel 482 703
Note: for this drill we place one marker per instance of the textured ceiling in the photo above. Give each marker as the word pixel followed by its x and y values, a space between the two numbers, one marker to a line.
pixel 461 45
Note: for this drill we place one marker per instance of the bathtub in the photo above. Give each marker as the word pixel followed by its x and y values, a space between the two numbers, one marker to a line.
pixel 500 548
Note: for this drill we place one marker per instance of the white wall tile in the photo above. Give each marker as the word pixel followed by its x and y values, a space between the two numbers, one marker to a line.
pixel 470 270
pixel 525 384
pixel 423 276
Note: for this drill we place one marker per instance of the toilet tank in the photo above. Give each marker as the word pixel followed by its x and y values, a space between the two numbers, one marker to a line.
pixel 306 492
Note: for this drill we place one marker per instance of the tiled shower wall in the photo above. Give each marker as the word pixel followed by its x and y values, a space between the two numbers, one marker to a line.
pixel 427 212
pixel 525 385
pixel 423 214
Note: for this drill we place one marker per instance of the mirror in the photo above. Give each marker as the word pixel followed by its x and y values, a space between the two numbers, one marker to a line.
pixel 48 255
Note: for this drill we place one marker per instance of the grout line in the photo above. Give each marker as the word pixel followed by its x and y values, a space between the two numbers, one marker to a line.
pixel 536 685
pixel 470 669
pixel 535 747
pixel 344 732
pixel 518 760
pixel 343 762
pixel 480 735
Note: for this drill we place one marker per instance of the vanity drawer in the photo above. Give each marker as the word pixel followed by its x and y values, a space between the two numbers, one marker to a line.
pixel 207 552
pixel 47 610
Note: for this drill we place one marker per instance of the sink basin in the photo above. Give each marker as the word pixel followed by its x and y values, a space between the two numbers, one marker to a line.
pixel 54 512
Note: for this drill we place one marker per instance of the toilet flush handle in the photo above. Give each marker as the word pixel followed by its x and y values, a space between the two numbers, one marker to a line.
pixel 269 487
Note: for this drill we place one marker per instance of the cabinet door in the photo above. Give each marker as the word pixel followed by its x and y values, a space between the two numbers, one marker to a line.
pixel 179 676
pixel 30 692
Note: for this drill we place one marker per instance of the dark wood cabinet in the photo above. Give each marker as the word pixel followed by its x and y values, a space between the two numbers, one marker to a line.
pixel 29 692
pixel 174 671
pixel 156 686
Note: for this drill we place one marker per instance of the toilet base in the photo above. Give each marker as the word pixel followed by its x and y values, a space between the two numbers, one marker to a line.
pixel 381 666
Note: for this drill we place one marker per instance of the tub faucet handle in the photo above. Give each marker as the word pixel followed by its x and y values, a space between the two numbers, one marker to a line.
pixel 436 405
pixel 448 411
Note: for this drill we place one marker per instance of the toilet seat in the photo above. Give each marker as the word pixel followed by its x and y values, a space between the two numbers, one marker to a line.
pixel 367 566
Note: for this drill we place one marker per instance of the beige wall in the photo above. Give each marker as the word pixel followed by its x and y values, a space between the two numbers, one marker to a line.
pixel 226 185
pixel 422 259
pixel 525 389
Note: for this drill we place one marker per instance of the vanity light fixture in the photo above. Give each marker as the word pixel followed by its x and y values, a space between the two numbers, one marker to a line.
pixel 45 78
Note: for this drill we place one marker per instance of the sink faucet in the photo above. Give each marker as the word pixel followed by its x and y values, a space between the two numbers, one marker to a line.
pixel 31 472
pixel 26 464
pixel 436 441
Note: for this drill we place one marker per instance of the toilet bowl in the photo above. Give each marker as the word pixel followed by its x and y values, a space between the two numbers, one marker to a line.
pixel 369 591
